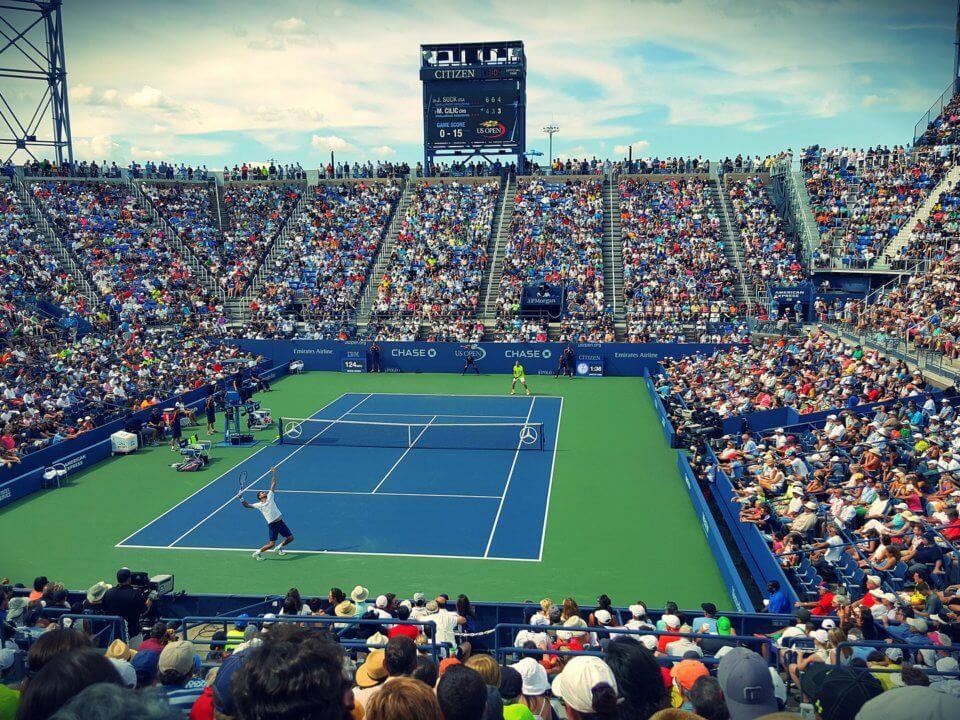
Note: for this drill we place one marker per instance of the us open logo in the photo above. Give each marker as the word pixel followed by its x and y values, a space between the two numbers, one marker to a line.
pixel 474 351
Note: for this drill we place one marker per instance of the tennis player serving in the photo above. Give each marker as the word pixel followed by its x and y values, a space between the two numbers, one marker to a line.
pixel 267 505
pixel 518 374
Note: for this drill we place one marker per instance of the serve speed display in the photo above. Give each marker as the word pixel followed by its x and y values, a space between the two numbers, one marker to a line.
pixel 461 113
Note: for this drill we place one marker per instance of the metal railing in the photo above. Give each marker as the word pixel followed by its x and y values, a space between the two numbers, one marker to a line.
pixel 340 625
pixel 934 111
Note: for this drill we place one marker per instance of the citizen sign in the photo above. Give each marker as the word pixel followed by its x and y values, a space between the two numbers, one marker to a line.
pixel 546 354
pixel 413 352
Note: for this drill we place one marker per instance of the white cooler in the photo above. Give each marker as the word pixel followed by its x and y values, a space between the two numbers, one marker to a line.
pixel 123 442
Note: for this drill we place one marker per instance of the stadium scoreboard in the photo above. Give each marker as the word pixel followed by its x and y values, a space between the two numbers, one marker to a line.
pixel 464 114
pixel 474 101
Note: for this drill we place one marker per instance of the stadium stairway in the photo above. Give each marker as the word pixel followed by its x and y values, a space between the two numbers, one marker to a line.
pixel 496 251
pixel 196 266
pixel 54 244
pixel 382 258
pixel 612 257
pixel 923 212
pixel 745 292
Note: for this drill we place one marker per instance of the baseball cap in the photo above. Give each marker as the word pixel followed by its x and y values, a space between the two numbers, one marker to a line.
pixel 838 692
pixel 7 657
pixel 638 610
pixel 145 663
pixel 746 684
pixel 222 690
pixel 511 683
pixel 724 627
pixel 533 677
pixel 178 657
pixel 603 616
pixel 671 621
pixel 916 702
pixel 575 685
pixel 687 672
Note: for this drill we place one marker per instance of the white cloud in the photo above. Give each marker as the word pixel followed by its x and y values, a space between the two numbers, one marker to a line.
pixel 326 143
pixel 149 97
pixel 98 147
pixel 870 100
pixel 638 146
pixel 139 153
pixel 87 95
pixel 709 114
pixel 290 26
pixel 268 45
pixel 383 151
pixel 158 129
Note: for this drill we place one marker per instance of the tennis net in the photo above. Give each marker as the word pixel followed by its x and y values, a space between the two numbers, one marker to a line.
pixel 426 435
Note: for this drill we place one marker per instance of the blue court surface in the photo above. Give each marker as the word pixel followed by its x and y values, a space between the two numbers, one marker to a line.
pixel 486 489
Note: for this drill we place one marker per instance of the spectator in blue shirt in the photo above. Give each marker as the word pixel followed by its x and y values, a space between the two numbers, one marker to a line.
pixel 779 603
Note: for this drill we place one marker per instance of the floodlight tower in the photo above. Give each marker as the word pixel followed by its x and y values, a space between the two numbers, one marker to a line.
pixel 31 51
pixel 550 130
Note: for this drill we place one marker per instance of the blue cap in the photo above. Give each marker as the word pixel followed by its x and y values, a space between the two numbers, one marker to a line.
pixel 241 622
pixel 146 664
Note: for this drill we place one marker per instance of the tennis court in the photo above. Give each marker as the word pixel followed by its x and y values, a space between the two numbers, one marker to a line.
pixel 369 471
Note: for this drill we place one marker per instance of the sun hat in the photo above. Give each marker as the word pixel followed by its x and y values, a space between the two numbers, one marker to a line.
pixel 359 594
pixel 345 609
pixel 96 592
pixel 533 676
pixel 372 671
pixel 576 684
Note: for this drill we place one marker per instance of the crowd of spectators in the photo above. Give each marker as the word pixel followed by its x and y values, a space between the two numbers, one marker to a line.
pixel 674 266
pixel 127 255
pixel 382 169
pixel 440 256
pixel 263 173
pixel 809 374
pixel 770 256
pixel 556 236
pixel 28 271
pixel 190 210
pixel 403 329
pixel 642 667
pixel 46 168
pixel 934 239
pixel 923 311
pixel 861 198
pixel 255 215
pixel 168 171
pixel 945 128
pixel 518 329
pixel 54 390
pixel 325 263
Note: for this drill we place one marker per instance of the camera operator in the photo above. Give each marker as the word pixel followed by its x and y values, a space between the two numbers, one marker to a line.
pixel 130 603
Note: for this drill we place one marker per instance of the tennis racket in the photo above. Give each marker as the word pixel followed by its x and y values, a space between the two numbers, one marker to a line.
pixel 242 480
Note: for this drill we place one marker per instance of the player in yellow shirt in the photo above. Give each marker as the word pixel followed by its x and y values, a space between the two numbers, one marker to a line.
pixel 518 374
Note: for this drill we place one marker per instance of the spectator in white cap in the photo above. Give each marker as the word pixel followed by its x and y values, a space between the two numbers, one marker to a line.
pixel 638 619
pixel 949 681
pixel 683 645
pixel 670 622
pixel 380 606
pixel 805 658
pixel 539 638
pixel 587 688
pixel 176 668
pixel 535 685
pixel 747 685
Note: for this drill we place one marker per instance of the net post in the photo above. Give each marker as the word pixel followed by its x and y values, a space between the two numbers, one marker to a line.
pixel 280 430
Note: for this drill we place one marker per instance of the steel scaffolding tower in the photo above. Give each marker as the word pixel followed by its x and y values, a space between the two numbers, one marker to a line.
pixel 31 51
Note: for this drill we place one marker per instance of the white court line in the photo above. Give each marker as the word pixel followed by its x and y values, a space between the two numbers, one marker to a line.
pixel 503 496
pixel 338 552
pixel 439 415
pixel 281 462
pixel 553 463
pixel 386 494
pixel 220 477
pixel 400 459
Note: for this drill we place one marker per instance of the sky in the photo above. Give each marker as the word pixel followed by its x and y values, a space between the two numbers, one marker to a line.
pixel 229 81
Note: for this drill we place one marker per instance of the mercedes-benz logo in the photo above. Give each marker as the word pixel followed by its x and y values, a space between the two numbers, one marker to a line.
pixel 529 435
